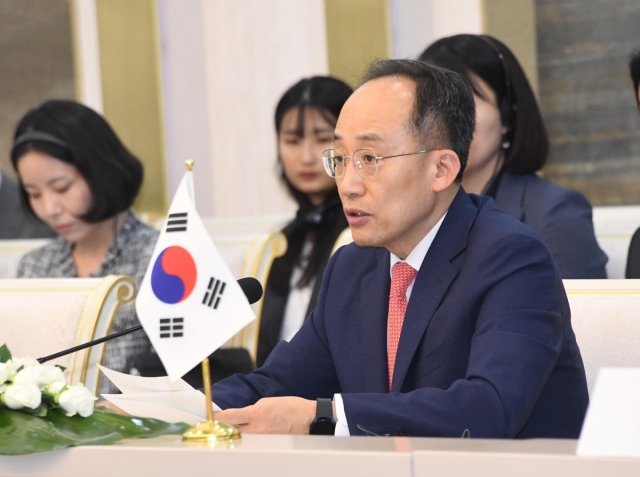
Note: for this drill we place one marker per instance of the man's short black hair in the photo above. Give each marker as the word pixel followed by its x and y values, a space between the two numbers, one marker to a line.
pixel 634 68
pixel 444 112
pixel 87 142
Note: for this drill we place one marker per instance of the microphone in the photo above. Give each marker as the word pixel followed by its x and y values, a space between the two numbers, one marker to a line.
pixel 251 288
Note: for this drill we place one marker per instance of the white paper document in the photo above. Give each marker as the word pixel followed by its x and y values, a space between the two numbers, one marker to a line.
pixel 157 398
pixel 612 425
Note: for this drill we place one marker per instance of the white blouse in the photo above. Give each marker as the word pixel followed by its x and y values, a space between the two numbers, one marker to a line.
pixel 298 299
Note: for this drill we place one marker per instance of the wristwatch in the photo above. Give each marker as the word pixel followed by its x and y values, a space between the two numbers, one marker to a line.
pixel 323 424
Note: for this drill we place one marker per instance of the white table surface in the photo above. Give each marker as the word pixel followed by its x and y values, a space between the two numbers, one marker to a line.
pixel 325 456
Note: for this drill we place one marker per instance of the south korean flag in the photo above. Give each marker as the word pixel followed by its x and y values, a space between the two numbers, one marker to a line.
pixel 189 302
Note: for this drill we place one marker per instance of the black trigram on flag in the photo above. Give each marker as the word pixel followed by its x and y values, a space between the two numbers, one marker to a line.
pixel 171 327
pixel 177 222
pixel 214 293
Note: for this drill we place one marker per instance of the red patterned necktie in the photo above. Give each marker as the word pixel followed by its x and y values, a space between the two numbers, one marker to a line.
pixel 402 275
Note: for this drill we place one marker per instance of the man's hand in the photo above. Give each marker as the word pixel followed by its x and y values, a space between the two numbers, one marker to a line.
pixel 276 415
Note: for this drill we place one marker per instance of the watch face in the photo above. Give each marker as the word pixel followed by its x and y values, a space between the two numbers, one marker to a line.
pixel 322 426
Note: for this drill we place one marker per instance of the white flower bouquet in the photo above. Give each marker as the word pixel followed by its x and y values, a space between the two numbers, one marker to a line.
pixel 29 386
pixel 40 411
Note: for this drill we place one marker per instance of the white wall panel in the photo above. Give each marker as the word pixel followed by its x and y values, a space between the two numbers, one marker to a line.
pixel 418 23
pixel 87 53
pixel 185 96
pixel 254 50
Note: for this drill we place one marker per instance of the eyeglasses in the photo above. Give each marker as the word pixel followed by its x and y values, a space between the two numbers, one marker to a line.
pixel 365 160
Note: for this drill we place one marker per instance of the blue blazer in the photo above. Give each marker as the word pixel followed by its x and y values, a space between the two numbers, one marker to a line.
pixel 562 219
pixel 486 345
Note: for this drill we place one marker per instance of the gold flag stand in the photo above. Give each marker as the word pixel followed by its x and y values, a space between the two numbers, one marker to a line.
pixel 210 431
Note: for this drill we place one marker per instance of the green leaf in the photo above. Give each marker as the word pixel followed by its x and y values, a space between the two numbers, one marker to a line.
pixel 40 411
pixel 62 368
pixel 22 433
pixel 5 354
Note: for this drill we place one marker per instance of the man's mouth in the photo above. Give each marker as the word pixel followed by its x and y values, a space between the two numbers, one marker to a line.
pixel 356 217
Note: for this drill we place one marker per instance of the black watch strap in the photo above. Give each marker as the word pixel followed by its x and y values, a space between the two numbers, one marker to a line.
pixel 323 424
pixel 324 408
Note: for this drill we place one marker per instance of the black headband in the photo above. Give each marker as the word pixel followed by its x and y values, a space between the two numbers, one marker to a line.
pixel 510 96
pixel 38 136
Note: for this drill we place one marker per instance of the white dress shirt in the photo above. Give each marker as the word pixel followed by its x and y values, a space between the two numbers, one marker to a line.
pixel 415 259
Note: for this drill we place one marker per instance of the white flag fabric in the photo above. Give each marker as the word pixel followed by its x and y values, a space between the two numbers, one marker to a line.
pixel 189 302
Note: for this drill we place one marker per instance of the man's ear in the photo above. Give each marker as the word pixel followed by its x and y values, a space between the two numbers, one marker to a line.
pixel 447 168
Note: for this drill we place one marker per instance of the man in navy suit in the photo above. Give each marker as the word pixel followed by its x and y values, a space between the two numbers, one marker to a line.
pixel 445 315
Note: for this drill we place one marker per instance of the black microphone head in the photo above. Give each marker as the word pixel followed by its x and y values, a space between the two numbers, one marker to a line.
pixel 251 288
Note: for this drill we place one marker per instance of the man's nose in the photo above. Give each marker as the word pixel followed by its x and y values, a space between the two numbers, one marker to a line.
pixel 351 183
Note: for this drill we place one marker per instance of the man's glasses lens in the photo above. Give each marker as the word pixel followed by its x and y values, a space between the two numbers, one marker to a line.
pixel 365 162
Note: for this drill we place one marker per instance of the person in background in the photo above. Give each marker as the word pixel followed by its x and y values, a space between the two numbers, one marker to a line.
pixel 16 219
pixel 510 145
pixel 634 68
pixel 633 258
pixel 79 179
pixel 305 118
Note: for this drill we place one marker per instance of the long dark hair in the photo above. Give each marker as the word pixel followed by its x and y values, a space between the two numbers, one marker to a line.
pixel 492 61
pixel 318 223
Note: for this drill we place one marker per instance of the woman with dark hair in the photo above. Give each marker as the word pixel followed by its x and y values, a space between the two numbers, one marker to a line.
pixel 633 256
pixel 77 177
pixel 510 145
pixel 305 118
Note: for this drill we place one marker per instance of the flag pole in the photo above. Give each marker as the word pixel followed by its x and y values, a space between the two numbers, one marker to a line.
pixel 211 431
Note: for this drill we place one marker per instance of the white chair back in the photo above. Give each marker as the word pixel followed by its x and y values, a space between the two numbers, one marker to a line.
pixel 257 264
pixel 11 251
pixel 614 226
pixel 605 315
pixel 344 238
pixel 39 317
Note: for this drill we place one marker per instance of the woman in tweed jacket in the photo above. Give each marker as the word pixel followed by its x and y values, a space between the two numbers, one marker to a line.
pixel 76 176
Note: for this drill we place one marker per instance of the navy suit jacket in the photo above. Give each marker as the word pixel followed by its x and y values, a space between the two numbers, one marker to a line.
pixel 562 219
pixel 486 345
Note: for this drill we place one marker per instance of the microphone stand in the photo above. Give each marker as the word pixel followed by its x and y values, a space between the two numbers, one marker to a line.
pixel 89 344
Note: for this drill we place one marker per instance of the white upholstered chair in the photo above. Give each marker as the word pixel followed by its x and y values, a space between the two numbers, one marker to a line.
pixel 614 226
pixel 11 251
pixel 235 237
pixel 605 315
pixel 344 238
pixel 39 317
pixel 258 259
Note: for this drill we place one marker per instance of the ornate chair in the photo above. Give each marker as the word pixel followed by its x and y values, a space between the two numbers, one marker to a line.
pixel 344 238
pixel 39 317
pixel 605 315
pixel 257 263
pixel 614 226
pixel 11 251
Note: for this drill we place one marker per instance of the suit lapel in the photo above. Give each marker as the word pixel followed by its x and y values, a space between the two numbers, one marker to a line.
pixel 433 280
pixel 374 296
